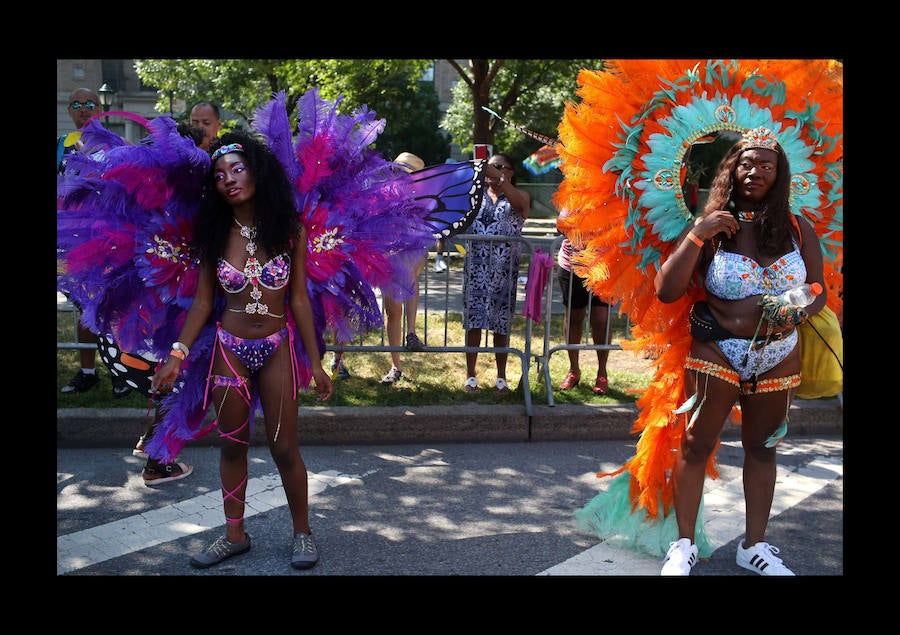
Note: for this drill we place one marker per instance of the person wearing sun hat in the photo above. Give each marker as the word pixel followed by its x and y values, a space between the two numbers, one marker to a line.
pixel 393 308
pixel 409 161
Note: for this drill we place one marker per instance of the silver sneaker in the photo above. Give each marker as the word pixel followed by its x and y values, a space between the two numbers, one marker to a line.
pixel 218 551
pixel 305 554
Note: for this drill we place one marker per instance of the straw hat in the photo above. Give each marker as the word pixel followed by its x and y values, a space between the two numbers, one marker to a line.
pixel 409 162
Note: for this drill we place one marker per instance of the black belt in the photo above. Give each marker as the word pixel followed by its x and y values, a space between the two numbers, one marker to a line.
pixel 705 328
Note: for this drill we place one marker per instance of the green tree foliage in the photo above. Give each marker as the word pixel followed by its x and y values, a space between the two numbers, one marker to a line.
pixel 530 93
pixel 389 87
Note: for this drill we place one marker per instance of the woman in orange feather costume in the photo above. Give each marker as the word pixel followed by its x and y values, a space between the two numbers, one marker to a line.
pixel 624 148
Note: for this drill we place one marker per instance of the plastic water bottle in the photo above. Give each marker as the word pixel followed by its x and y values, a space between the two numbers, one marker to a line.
pixel 802 295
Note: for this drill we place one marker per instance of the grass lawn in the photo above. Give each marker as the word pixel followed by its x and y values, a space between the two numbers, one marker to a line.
pixel 428 378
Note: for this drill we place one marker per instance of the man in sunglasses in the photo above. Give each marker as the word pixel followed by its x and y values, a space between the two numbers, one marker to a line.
pixel 83 104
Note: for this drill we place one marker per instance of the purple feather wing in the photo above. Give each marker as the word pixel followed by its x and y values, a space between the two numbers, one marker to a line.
pixel 271 120
pixel 364 226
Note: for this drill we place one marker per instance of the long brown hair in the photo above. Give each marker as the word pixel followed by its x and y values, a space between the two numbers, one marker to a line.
pixel 775 227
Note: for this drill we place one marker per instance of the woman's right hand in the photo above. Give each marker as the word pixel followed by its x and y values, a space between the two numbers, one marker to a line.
pixel 719 221
pixel 164 378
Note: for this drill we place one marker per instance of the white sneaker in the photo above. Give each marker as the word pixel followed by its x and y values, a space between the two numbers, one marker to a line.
pixel 440 266
pixel 761 559
pixel 680 559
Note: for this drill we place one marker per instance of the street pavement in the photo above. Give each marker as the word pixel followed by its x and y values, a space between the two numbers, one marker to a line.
pixel 430 509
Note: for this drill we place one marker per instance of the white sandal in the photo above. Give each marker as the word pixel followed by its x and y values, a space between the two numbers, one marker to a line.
pixel 471 384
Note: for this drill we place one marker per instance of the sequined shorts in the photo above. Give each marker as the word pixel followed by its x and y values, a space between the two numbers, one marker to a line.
pixel 253 353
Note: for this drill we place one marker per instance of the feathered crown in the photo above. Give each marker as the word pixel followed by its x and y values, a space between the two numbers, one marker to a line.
pixel 760 137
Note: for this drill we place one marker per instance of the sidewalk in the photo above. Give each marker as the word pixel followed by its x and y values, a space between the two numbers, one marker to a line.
pixel 475 423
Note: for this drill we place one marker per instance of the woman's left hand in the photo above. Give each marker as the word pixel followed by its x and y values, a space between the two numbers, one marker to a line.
pixel 784 315
pixel 164 378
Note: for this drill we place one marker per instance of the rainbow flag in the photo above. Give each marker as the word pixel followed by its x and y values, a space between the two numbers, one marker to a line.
pixel 542 160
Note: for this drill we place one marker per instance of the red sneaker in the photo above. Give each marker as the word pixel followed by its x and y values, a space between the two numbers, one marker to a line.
pixel 601 385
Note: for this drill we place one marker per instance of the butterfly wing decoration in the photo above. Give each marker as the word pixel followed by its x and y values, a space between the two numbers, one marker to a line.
pixel 623 148
pixel 134 370
pixel 450 195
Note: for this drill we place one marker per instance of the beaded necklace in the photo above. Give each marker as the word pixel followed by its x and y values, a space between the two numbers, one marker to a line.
pixel 252 271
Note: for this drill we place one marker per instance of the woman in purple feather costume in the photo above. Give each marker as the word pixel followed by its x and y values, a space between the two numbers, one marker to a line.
pixel 170 245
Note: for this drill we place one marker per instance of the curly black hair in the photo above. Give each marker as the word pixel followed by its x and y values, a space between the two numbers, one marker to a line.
pixel 277 220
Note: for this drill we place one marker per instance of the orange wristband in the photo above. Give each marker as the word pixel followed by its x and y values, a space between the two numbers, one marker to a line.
pixel 176 353
pixel 694 239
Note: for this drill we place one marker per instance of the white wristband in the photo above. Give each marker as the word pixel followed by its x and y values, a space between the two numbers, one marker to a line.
pixel 178 346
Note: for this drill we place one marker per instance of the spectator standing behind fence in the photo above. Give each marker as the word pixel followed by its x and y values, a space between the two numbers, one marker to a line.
pixel 576 298
pixel 205 116
pixel 83 105
pixel 492 268
pixel 394 308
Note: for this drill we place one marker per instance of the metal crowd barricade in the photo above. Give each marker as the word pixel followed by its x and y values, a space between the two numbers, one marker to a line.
pixel 446 296
pixel 64 306
pixel 451 281
pixel 543 360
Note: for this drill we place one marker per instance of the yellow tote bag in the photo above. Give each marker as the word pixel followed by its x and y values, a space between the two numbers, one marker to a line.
pixel 821 356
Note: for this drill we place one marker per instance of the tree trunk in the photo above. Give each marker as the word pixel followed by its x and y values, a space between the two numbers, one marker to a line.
pixel 481 87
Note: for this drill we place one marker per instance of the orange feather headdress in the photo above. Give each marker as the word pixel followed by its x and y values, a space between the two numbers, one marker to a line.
pixel 624 150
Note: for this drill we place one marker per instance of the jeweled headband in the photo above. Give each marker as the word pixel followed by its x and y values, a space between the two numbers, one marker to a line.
pixel 760 137
pixel 222 150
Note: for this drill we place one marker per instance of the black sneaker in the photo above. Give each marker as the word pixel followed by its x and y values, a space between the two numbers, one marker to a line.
pixel 120 389
pixel 81 382
pixel 342 372
pixel 157 474
pixel 413 343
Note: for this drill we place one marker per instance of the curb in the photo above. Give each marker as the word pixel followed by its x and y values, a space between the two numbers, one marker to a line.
pixel 472 423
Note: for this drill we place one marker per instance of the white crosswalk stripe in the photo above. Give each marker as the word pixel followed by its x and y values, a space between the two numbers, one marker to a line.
pixel 97 544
